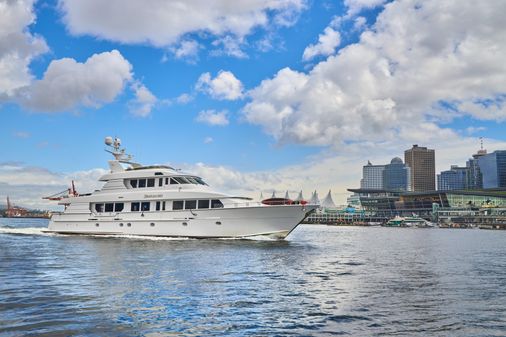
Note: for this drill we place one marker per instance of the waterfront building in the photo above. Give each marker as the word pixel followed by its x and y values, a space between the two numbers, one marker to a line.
pixel 397 176
pixel 493 169
pixel 453 179
pixel 328 202
pixel 474 178
pixel 372 176
pixel 422 162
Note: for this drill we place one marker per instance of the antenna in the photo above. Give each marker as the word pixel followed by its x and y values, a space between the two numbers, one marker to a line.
pixel 481 143
pixel 117 152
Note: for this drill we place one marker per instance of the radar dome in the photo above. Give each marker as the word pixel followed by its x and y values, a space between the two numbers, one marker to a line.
pixel 396 160
pixel 108 141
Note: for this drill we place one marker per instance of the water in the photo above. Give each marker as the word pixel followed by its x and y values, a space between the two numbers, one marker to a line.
pixel 321 281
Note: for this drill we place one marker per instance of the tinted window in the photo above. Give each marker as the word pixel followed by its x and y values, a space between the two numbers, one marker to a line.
pixel 133 183
pixel 99 208
pixel 163 206
pixel 145 206
pixel 190 204
pixel 142 182
pixel 173 181
pixel 109 207
pixel 166 181
pixel 216 204
pixel 158 205
pixel 118 207
pixel 151 182
pixel 181 180
pixel 135 207
pixel 160 182
pixel 200 181
pixel 193 181
pixel 177 204
pixel 203 203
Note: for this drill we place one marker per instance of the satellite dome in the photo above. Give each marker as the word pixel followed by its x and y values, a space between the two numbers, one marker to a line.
pixel 396 160
pixel 108 141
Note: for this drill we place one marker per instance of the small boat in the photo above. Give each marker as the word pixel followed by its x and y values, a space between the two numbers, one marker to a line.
pixel 410 221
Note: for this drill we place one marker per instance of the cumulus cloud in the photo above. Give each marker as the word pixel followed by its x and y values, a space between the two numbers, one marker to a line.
pixel 327 44
pixel 397 82
pixel 26 185
pixel 356 6
pixel 212 117
pixel 187 49
pixel 18 47
pixel 67 83
pixel 225 86
pixel 163 23
pixel 144 100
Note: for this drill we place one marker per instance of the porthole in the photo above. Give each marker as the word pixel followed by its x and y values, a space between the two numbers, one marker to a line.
pixel 218 222
pixel 152 224
pixel 129 224
pixel 121 224
pixel 97 224
pixel 185 223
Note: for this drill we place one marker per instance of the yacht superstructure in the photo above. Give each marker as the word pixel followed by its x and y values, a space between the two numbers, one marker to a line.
pixel 162 201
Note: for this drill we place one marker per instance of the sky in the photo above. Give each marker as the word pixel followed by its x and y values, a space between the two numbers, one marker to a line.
pixel 255 96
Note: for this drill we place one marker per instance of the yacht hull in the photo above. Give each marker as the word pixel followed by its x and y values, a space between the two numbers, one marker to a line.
pixel 239 222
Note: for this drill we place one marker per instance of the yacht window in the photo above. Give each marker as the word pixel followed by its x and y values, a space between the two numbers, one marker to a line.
pixel 200 181
pixel 163 206
pixel 203 203
pixel 216 204
pixel 109 207
pixel 158 205
pixel 181 180
pixel 166 181
pixel 135 207
pixel 99 208
pixel 177 204
pixel 142 182
pixel 158 174
pixel 145 206
pixel 160 182
pixel 151 182
pixel 173 181
pixel 118 207
pixel 190 204
pixel 133 183
pixel 191 180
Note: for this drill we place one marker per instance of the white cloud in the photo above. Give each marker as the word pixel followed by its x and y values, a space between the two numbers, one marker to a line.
pixel 327 44
pixel 187 49
pixel 22 134
pixel 356 6
pixel 208 140
pixel 391 84
pixel 18 47
pixel 67 83
pixel 163 23
pixel 225 86
pixel 144 100
pixel 184 98
pixel 213 117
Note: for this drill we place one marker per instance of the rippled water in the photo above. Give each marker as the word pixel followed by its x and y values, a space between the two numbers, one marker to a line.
pixel 321 281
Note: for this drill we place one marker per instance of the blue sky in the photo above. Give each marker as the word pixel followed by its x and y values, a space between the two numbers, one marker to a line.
pixel 269 95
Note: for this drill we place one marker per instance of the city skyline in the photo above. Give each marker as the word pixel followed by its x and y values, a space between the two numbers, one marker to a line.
pixel 283 95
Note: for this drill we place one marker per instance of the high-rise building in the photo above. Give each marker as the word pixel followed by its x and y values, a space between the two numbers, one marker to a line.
pixel 423 168
pixel 397 176
pixel 474 176
pixel 372 176
pixel 453 179
pixel 493 169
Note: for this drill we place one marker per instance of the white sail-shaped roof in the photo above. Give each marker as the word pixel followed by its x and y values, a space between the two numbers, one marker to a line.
pixel 261 196
pixel 273 194
pixel 328 202
pixel 287 196
pixel 314 199
pixel 300 197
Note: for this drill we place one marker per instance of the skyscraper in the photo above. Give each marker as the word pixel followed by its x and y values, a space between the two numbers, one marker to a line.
pixel 423 168
pixel 453 179
pixel 493 169
pixel 397 176
pixel 372 176
pixel 474 176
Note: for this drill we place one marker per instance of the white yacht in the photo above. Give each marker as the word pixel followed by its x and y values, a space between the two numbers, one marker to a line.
pixel 162 201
